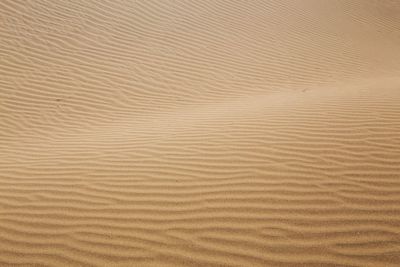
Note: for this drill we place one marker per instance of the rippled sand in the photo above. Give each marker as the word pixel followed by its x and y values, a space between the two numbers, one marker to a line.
pixel 200 133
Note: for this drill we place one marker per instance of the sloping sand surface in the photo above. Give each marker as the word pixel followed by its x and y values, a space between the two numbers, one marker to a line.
pixel 199 133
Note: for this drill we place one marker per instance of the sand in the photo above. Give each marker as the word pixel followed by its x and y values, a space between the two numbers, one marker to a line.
pixel 199 133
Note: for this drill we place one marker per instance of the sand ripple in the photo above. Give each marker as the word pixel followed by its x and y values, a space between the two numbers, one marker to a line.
pixel 199 133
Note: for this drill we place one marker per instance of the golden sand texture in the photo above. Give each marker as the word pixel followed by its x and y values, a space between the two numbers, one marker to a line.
pixel 200 133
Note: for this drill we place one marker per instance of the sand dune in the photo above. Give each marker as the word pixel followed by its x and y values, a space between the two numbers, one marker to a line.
pixel 199 133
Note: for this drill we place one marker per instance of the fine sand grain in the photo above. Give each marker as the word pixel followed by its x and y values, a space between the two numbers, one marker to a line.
pixel 200 133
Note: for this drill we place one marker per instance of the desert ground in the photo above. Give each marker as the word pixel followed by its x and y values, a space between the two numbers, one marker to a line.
pixel 200 133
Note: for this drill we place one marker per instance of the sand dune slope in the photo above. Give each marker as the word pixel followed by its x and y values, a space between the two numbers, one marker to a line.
pixel 199 133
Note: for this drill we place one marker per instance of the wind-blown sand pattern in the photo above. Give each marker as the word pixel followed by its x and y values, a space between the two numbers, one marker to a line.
pixel 199 133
